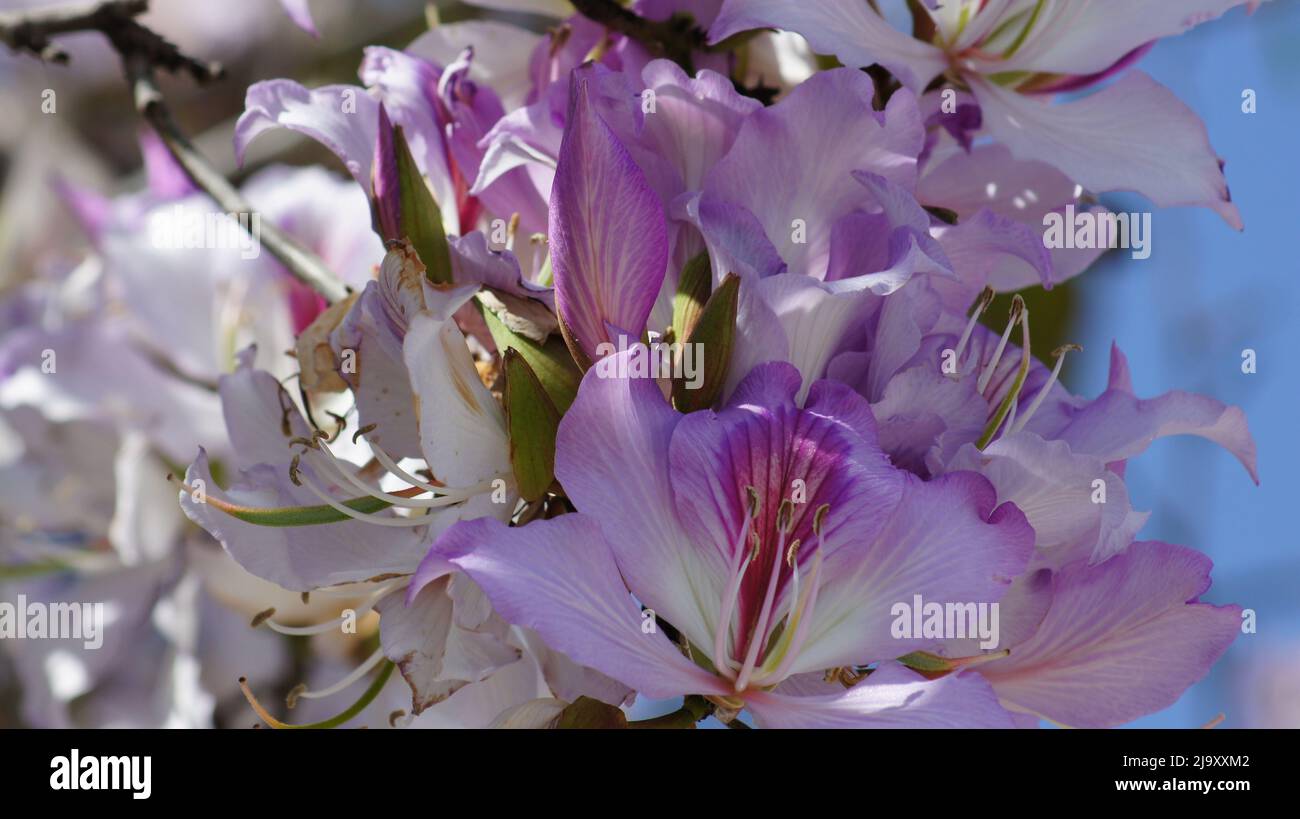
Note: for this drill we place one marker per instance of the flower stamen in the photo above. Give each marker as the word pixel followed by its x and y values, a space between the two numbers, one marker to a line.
pixel 336 622
pixel 1017 308
pixel 1013 394
pixel 739 565
pixel 1059 355
pixel 758 637
pixel 356 674
pixel 982 304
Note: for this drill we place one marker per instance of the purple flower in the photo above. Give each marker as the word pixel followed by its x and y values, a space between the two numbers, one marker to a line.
pixel 1132 135
pixel 441 112
pixel 774 538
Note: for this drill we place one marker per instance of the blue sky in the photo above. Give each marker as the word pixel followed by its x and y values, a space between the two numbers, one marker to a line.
pixel 1184 316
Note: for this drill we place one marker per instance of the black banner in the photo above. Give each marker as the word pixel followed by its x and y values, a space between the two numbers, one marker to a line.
pixel 949 770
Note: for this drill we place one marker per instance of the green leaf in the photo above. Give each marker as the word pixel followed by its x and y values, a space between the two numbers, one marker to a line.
pixel 586 712
pixel 421 220
pixel 714 335
pixel 693 288
pixel 532 421
pixel 550 361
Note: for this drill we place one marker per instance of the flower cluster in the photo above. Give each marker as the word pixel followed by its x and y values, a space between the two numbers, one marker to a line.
pixel 667 369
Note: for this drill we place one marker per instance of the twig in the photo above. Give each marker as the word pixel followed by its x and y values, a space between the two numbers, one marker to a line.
pixel 304 264
pixel 31 30
pixel 143 52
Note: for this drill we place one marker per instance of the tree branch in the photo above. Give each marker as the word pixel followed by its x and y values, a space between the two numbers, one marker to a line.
pixel 306 266
pixel 144 52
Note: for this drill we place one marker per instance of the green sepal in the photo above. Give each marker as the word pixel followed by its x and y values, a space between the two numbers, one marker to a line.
pixel 693 289
pixel 586 712
pixel 714 334
pixel 532 420
pixel 550 361
pixel 421 219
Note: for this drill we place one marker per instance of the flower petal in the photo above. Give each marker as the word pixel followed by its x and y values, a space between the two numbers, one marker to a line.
pixel 849 29
pixel 823 131
pixel 368 343
pixel 814 319
pixel 1087 38
pixel 414 637
pixel 824 454
pixel 558 577
pixel 299 12
pixel 944 541
pixel 612 459
pixel 343 118
pixel 1118 425
pixel 462 427
pixel 502 54
pixel 919 406
pixel 1133 135
pixel 892 697
pixel 609 246
pixel 1057 491
pixel 1121 639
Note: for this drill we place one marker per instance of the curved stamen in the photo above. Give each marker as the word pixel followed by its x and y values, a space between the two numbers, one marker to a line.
pixel 336 622
pixel 985 299
pixel 1024 32
pixel 798 624
pixel 1013 394
pixel 801 609
pixel 381 679
pixel 341 468
pixel 792 560
pixel 739 565
pixel 512 228
pixel 758 636
pixel 392 466
pixel 356 674
pixel 334 466
pixel 1017 307
pixel 1059 353
pixel 443 495
pixel 413 520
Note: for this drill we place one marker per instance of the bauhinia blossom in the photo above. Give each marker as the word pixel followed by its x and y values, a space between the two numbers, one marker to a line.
pixel 1013 57
pixel 774 538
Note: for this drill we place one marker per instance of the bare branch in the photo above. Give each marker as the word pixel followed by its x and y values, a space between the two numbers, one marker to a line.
pixel 144 52
pixel 32 30
pixel 305 265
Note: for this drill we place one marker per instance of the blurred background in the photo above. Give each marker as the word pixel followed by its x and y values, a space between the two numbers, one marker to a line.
pixel 1183 316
